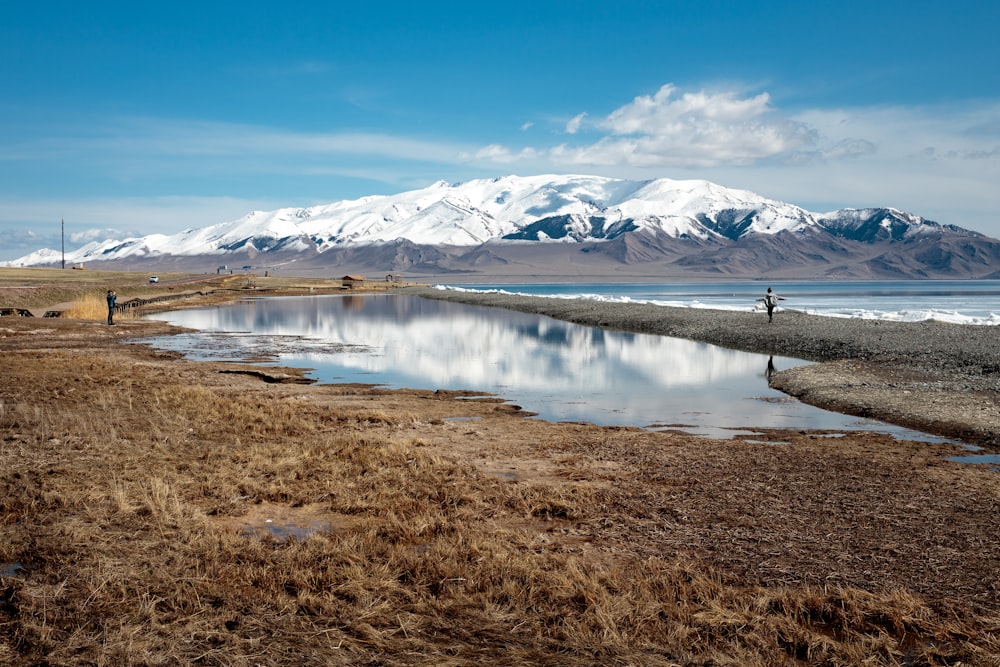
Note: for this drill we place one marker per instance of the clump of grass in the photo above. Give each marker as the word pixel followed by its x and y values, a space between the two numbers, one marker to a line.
pixel 88 307
pixel 94 306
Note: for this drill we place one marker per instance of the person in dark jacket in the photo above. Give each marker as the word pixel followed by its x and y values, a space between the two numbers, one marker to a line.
pixel 112 297
pixel 770 301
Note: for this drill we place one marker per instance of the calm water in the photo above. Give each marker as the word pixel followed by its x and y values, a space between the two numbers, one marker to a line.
pixel 559 370
pixel 959 301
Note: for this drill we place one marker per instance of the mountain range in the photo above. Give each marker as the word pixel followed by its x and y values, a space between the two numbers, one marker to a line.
pixel 561 227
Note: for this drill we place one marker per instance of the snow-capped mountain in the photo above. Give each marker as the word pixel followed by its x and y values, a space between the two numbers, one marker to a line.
pixel 482 221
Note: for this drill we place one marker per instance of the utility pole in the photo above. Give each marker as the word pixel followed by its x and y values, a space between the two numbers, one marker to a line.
pixel 63 225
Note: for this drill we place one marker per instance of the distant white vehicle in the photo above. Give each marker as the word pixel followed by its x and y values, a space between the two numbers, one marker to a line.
pixel 154 279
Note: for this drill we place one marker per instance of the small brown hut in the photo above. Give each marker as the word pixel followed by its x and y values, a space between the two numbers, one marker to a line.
pixel 349 281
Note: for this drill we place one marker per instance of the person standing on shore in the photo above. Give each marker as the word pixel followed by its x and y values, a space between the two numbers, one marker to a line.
pixel 112 297
pixel 770 301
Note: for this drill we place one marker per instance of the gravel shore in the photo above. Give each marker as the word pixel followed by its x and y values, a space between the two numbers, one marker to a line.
pixel 930 376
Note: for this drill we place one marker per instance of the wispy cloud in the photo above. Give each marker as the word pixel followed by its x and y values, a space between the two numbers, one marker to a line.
pixel 164 143
pixel 503 155
pixel 237 140
pixel 574 124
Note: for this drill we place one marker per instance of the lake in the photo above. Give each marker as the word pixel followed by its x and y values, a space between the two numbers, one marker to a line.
pixel 559 370
pixel 974 302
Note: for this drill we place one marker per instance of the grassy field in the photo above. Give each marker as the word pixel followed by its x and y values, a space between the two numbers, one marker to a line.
pixel 157 511
pixel 39 289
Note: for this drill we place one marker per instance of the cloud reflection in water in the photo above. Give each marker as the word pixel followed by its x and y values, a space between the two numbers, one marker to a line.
pixel 562 371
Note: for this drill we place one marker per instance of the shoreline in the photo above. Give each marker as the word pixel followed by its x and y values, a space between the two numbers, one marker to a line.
pixel 934 377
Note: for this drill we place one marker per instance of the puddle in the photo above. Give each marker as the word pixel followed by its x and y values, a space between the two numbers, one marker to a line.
pixel 9 569
pixel 703 430
pixel 979 459
pixel 282 524
pixel 283 532
pixel 461 419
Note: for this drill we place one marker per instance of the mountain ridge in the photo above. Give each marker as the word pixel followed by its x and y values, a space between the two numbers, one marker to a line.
pixel 687 228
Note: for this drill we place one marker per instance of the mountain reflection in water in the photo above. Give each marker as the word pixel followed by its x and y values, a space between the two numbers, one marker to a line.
pixel 559 370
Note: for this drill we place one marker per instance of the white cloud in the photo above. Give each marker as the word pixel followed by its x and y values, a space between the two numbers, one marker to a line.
pixel 573 126
pixel 494 153
pixel 501 154
pixel 662 112
pixel 668 129
pixel 99 234
pixel 691 130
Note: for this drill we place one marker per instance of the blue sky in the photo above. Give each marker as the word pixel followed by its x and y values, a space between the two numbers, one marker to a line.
pixel 127 119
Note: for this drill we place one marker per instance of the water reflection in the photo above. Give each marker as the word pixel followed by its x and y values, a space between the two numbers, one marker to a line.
pixel 559 370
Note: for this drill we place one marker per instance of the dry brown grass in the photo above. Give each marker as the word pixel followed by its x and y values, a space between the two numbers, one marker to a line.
pixel 135 491
pixel 41 289
pixel 94 307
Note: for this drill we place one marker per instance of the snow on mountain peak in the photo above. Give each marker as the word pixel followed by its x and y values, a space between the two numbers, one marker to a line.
pixel 566 208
